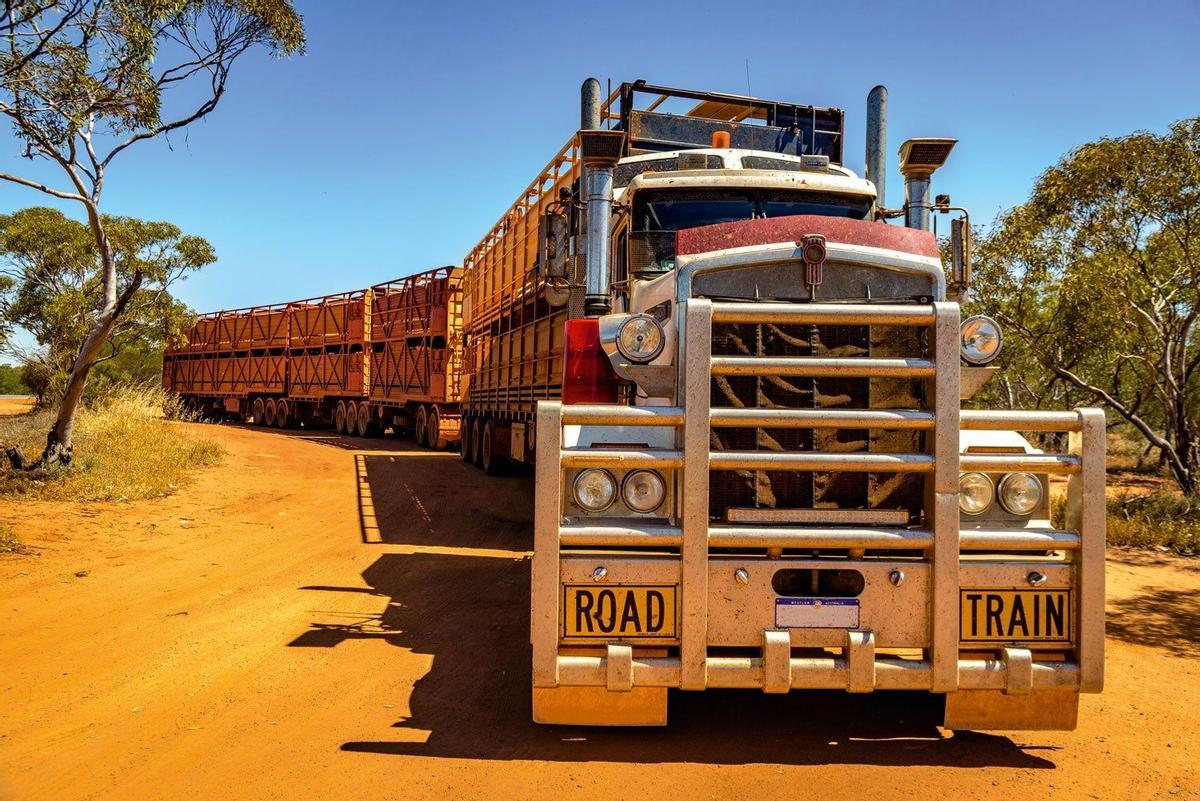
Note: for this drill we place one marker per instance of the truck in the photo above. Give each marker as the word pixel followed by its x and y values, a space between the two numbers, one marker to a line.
pixel 360 361
pixel 739 378
pixel 741 384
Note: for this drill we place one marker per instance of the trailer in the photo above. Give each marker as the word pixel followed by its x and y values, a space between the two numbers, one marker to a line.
pixel 361 361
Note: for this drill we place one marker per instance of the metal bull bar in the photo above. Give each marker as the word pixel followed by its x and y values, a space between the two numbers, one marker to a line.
pixel 857 669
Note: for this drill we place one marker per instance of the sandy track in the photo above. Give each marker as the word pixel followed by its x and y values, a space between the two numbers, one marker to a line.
pixel 316 621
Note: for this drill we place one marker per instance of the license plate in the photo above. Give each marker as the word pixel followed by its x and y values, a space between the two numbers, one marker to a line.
pixel 990 616
pixel 816 613
pixel 630 612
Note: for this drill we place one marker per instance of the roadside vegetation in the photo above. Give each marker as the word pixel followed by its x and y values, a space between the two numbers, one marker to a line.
pixel 128 448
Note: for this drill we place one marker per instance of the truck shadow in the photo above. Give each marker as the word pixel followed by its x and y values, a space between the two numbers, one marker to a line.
pixel 470 613
pixel 469 610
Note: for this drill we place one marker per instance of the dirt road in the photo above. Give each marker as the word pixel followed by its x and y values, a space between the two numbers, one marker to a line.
pixel 315 621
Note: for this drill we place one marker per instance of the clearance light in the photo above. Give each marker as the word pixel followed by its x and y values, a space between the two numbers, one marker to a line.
pixel 588 375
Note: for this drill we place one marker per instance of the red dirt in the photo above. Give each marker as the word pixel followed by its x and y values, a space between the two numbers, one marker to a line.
pixel 255 636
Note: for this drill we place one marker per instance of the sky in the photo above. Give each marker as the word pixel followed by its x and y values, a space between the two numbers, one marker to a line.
pixel 407 129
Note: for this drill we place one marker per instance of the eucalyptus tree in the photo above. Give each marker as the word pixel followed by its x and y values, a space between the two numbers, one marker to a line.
pixel 1098 277
pixel 82 81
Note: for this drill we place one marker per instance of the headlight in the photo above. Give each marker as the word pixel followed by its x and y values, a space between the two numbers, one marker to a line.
pixel 981 339
pixel 975 493
pixel 595 490
pixel 640 338
pixel 1020 493
pixel 643 491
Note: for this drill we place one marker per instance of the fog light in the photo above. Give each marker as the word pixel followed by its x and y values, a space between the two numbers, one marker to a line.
pixel 640 338
pixel 643 490
pixel 975 493
pixel 595 490
pixel 981 339
pixel 1020 493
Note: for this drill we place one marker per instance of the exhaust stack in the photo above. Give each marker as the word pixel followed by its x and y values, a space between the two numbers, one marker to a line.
pixel 599 151
pixel 919 159
pixel 876 159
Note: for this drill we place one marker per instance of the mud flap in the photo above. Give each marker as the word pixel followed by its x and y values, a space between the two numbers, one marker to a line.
pixel 1045 710
pixel 597 706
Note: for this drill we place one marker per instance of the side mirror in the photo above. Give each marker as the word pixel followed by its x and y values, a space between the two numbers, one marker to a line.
pixel 960 255
pixel 554 255
pixel 554 236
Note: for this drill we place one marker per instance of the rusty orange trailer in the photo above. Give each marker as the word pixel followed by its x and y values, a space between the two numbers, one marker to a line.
pixel 362 361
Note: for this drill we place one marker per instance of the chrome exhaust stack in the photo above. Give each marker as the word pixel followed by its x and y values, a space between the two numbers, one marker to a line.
pixel 919 159
pixel 599 152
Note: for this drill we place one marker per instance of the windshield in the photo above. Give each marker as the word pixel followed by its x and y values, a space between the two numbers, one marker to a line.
pixel 658 215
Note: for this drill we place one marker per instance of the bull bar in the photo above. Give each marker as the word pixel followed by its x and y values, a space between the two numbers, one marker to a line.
pixel 941 668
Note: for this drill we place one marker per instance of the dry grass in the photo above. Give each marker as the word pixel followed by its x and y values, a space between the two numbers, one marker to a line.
pixel 126 448
pixel 9 542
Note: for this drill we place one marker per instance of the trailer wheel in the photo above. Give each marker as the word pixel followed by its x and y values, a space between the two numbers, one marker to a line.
pixel 492 462
pixel 269 412
pixel 476 438
pixel 256 412
pixel 465 440
pixel 433 431
pixel 339 417
pixel 421 426
pixel 283 416
pixel 364 420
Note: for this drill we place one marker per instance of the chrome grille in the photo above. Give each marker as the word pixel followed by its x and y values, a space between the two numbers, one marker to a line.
pixel 787 489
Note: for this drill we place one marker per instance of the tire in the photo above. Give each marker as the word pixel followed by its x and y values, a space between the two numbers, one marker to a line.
pixel 256 412
pixel 464 440
pixel 339 417
pixel 269 413
pixel 493 463
pixel 421 426
pixel 364 420
pixel 283 414
pixel 476 436
pixel 433 431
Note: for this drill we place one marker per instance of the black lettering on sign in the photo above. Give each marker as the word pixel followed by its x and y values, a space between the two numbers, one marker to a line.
pixel 1015 615
pixel 1017 618
pixel 1054 615
pixel 995 605
pixel 974 598
pixel 629 615
pixel 619 612
pixel 654 611
pixel 583 611
pixel 607 621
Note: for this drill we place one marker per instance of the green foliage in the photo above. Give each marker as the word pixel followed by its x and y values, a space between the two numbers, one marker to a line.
pixel 53 291
pixel 1096 279
pixel 10 381
pixel 1164 519
pixel 76 65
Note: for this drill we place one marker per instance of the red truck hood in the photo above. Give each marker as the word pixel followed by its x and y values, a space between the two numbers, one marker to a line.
pixel 793 229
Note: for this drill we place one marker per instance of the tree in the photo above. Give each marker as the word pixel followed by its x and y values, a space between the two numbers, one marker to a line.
pixel 84 80
pixel 50 276
pixel 1098 275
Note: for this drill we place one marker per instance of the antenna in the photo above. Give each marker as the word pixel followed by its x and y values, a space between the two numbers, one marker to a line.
pixel 748 92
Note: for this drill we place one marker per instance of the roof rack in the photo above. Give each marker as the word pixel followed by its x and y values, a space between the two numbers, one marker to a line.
pixel 753 123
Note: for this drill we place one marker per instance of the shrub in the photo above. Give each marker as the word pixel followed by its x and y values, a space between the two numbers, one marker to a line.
pixel 125 449
pixel 1164 518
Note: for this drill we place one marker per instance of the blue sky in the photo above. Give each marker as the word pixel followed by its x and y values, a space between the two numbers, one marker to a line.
pixel 408 128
